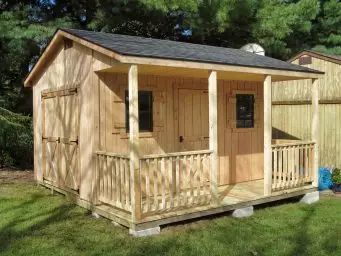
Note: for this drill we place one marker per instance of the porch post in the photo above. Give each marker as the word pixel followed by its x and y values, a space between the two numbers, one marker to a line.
pixel 267 136
pixel 315 130
pixel 213 134
pixel 134 143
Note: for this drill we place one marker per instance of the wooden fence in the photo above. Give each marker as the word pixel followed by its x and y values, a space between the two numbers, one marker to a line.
pixel 175 180
pixel 113 180
pixel 292 165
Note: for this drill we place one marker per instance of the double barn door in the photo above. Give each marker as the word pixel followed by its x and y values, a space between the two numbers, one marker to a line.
pixel 60 127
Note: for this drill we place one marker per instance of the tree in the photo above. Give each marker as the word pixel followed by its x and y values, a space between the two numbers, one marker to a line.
pixel 327 29
pixel 283 27
pixel 23 34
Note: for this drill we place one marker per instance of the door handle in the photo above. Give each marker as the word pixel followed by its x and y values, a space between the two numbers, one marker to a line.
pixel 181 139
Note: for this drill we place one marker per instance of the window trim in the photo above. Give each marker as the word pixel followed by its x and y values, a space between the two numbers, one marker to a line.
pixel 230 106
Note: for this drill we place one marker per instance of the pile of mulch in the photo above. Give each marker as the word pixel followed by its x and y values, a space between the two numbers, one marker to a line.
pixel 13 175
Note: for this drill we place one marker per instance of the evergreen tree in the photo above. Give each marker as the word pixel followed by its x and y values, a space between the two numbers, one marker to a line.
pixel 327 29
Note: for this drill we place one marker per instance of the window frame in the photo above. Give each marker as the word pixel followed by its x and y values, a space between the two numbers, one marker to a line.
pixel 150 110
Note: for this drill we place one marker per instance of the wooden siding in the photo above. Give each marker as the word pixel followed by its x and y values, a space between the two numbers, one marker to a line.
pixel 292 111
pixel 240 150
pixel 102 120
pixel 68 69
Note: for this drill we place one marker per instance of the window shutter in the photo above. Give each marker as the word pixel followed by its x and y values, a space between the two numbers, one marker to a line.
pixel 257 111
pixel 118 107
pixel 159 109
pixel 231 111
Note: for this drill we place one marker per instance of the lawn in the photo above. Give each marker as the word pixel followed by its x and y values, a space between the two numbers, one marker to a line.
pixel 34 222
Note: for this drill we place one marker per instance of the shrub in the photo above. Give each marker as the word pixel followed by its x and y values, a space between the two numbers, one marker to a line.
pixel 16 140
pixel 336 176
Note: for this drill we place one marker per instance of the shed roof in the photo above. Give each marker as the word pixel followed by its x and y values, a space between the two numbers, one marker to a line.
pixel 166 49
pixel 165 53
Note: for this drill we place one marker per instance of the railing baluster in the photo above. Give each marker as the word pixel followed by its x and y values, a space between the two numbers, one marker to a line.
pixel 118 181
pixel 127 181
pixel 170 182
pixel 198 174
pixel 291 165
pixel 123 193
pixel 148 189
pixel 177 180
pixel 191 179
pixel 275 170
pixel 155 175
pixel 163 183
pixel 185 175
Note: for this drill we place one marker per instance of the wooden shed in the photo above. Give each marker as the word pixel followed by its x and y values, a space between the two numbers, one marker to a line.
pixel 292 106
pixel 148 132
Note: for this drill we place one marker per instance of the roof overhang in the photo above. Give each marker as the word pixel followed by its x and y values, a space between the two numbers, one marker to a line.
pixel 150 65
pixel 225 72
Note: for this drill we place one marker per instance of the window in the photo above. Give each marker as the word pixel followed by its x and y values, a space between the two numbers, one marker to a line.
pixel 145 111
pixel 67 43
pixel 245 110
pixel 304 60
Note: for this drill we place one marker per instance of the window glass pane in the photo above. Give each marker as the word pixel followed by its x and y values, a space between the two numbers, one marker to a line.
pixel 145 111
pixel 245 110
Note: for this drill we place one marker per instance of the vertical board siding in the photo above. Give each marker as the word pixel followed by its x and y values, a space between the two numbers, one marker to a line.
pixel 68 69
pixel 240 151
pixel 293 121
pixel 102 119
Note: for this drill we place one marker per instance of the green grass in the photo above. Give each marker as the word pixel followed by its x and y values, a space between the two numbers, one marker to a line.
pixel 34 222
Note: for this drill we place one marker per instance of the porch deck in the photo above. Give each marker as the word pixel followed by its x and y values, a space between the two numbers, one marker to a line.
pixel 177 186
pixel 232 197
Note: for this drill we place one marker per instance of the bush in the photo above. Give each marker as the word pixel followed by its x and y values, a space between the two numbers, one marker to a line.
pixel 16 140
pixel 336 176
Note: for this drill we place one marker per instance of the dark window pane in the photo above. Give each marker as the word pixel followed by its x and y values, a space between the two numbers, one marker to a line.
pixel 145 111
pixel 245 110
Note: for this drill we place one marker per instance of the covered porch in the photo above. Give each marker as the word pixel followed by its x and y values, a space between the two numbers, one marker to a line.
pixel 142 190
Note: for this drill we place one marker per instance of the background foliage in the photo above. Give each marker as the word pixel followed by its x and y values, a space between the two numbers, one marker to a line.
pixel 282 27
pixel 16 139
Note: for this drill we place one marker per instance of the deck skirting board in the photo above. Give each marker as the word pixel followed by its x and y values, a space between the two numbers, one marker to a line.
pixel 173 217
pixel 154 222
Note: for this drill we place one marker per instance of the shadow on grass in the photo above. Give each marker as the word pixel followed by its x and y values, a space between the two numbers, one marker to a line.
pixel 301 239
pixel 288 229
pixel 34 197
pixel 12 231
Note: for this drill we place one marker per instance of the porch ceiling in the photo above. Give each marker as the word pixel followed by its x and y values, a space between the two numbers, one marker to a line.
pixel 243 74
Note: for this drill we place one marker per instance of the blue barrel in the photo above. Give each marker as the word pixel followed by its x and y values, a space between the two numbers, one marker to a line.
pixel 325 178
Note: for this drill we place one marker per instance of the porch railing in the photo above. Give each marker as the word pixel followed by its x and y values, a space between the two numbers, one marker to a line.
pixel 292 165
pixel 175 180
pixel 113 180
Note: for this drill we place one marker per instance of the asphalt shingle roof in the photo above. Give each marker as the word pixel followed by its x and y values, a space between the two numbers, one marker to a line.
pixel 166 49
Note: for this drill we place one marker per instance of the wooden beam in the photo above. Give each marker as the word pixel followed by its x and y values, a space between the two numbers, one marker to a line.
pixel 306 102
pixel 267 136
pixel 315 129
pixel 134 143
pixel 219 67
pixel 213 134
